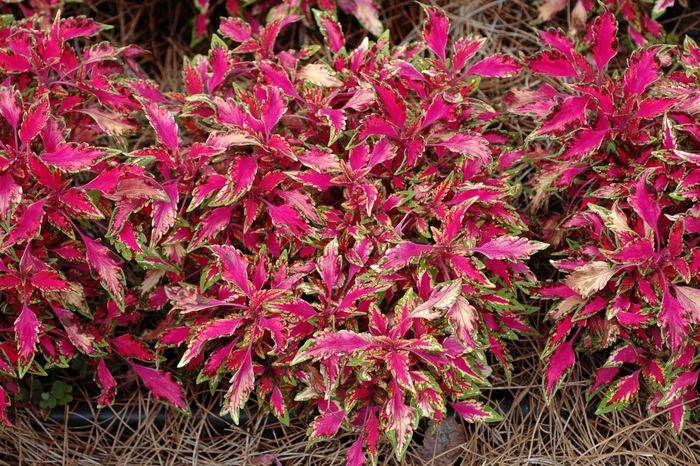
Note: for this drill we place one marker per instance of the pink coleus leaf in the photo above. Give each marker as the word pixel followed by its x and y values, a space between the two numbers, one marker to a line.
pixel 82 340
pixel 393 104
pixel 285 216
pixel 234 268
pixel 435 31
pixel 107 384
pixel 404 253
pixel 679 385
pixel 78 26
pixel 690 300
pixel 604 33
pixel 329 266
pixel 128 346
pixel 496 66
pixel 341 342
pixel 584 143
pixel 559 363
pixel 10 105
pixel 74 157
pixel 474 411
pixel 28 226
pixel 674 321
pixel 401 420
pixel 27 328
pixel 510 247
pixel 10 196
pixel 163 123
pixel 553 63
pixel 34 121
pixel 4 403
pixel 464 318
pixel 591 277
pixel 210 224
pixel 356 455
pixel 327 424
pixel 163 386
pixel 644 204
pixel 235 29
pixel 220 328
pixel 331 30
pixel 468 144
pixel 571 111
pixel 48 280
pixel 164 212
pixel 621 394
pixel 108 270
pixel 241 385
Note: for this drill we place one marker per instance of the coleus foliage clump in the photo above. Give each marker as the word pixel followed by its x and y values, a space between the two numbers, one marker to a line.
pixel 338 237
pixel 640 15
pixel 618 149
pixel 258 13
pixel 66 112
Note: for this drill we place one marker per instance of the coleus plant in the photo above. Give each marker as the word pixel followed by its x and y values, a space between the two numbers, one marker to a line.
pixel 66 112
pixel 613 147
pixel 259 13
pixel 640 15
pixel 338 232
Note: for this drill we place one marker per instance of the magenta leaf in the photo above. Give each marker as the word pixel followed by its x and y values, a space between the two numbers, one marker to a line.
pixel 553 63
pixel 28 226
pixel 327 424
pixel 216 329
pixel 621 394
pixel 163 387
pixel 163 123
pixel 128 346
pixel 559 363
pixel 604 32
pixel 496 66
pixel 34 121
pixel 435 31
pixel 241 386
pixel 109 272
pixel 474 411
pixel 74 157
pixel 107 383
pixel 645 205
pixel 235 29
pixel 27 328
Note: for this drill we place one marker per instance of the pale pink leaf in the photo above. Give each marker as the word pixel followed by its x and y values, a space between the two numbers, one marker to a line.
pixel 510 247
pixel 10 195
pixel 10 105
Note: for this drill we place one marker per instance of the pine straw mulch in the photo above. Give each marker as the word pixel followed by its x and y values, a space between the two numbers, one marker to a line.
pixel 565 433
